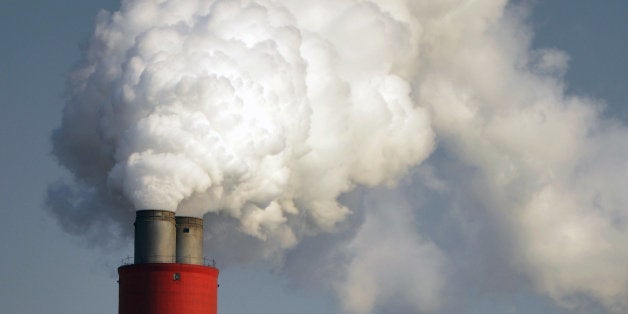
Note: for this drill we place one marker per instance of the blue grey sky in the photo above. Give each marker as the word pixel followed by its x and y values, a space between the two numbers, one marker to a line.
pixel 43 269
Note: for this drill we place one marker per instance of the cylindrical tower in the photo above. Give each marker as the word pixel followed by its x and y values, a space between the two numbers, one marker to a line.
pixel 155 236
pixel 189 240
pixel 166 279
pixel 168 288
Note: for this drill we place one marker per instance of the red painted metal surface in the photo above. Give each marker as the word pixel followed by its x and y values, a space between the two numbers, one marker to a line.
pixel 167 289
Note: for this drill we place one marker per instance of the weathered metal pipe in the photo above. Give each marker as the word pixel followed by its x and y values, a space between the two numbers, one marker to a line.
pixel 189 240
pixel 155 236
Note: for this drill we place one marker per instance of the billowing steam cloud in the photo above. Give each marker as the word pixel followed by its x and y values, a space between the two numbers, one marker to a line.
pixel 232 106
pixel 264 113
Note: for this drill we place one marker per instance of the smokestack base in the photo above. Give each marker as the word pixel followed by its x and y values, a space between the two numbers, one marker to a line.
pixel 167 288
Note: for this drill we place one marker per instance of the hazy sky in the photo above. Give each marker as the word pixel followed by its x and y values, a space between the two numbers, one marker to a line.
pixel 43 269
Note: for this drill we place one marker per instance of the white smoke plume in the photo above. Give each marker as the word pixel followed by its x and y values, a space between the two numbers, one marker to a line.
pixel 205 106
pixel 390 262
pixel 261 114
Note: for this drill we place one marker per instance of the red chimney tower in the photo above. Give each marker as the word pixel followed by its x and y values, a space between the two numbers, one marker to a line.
pixel 169 274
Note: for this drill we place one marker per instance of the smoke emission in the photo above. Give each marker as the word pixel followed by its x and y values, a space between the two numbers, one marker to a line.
pixel 261 115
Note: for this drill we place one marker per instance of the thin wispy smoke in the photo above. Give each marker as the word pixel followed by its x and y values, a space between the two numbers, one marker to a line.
pixel 261 115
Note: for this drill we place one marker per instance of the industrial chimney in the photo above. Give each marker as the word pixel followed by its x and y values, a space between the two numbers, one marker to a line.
pixel 169 274
pixel 189 240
